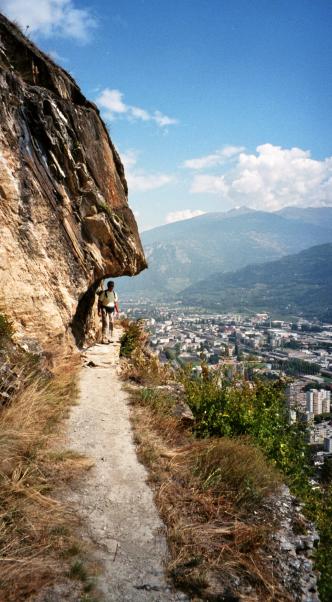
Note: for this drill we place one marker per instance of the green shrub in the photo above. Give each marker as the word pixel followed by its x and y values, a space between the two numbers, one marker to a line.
pixel 6 328
pixel 131 339
pixel 237 408
pixel 160 402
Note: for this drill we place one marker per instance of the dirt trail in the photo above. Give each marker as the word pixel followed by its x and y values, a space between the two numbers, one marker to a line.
pixel 114 500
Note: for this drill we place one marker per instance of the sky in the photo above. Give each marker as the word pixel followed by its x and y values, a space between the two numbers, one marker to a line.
pixel 212 104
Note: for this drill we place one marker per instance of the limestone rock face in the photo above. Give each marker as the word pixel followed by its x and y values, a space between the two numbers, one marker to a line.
pixel 64 218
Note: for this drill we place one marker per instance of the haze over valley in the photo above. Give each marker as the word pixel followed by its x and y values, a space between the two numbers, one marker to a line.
pixel 197 252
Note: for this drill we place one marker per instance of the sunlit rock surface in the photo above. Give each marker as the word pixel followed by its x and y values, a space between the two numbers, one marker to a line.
pixel 65 220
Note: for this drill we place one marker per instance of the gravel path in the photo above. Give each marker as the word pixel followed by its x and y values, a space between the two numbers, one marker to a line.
pixel 114 500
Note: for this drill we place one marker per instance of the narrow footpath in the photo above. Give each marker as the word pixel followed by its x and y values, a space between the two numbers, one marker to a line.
pixel 114 500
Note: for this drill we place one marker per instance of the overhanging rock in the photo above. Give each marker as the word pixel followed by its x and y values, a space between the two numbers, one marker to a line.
pixel 65 220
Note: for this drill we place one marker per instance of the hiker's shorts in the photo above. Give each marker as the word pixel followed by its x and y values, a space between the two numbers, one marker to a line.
pixel 109 310
pixel 107 320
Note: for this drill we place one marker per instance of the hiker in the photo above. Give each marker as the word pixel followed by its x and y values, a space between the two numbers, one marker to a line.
pixel 107 306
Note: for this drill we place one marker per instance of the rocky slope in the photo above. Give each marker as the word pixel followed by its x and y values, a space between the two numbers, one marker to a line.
pixel 64 218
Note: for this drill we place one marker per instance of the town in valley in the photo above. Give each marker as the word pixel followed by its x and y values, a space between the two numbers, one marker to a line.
pixel 297 350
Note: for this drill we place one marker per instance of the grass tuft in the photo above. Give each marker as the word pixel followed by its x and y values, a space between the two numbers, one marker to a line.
pixel 78 571
pixel 237 466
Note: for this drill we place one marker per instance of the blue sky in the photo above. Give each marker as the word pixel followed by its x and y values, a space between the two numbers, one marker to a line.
pixel 211 103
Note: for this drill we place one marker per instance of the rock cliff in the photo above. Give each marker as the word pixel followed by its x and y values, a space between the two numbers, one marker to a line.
pixel 65 221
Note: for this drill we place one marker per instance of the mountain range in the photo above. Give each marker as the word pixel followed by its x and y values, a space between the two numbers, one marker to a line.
pixel 299 284
pixel 182 253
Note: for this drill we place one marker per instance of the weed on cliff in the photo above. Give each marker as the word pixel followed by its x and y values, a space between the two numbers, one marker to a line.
pixel 104 208
pixel 6 329
pixel 35 528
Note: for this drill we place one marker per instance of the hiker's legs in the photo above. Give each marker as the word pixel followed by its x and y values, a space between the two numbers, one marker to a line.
pixel 111 320
pixel 105 323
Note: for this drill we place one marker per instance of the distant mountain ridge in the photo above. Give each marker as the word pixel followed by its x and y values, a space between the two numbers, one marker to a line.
pixel 175 230
pixel 320 216
pixel 299 284
pixel 184 252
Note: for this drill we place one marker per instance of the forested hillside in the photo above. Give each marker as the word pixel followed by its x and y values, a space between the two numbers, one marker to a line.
pixel 298 284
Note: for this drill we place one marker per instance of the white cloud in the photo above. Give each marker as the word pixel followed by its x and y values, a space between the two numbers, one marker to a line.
pixel 177 216
pixel 51 18
pixel 138 113
pixel 272 178
pixel 138 180
pixel 129 159
pixel 231 151
pixel 217 158
pixel 112 104
pixel 163 120
pixel 141 182
pixel 207 183
pixel 111 100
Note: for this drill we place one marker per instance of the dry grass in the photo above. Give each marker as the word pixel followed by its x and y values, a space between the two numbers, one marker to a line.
pixel 145 369
pixel 212 496
pixel 235 465
pixel 34 526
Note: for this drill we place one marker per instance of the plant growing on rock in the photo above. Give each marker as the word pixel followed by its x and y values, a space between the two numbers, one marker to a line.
pixel 6 329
